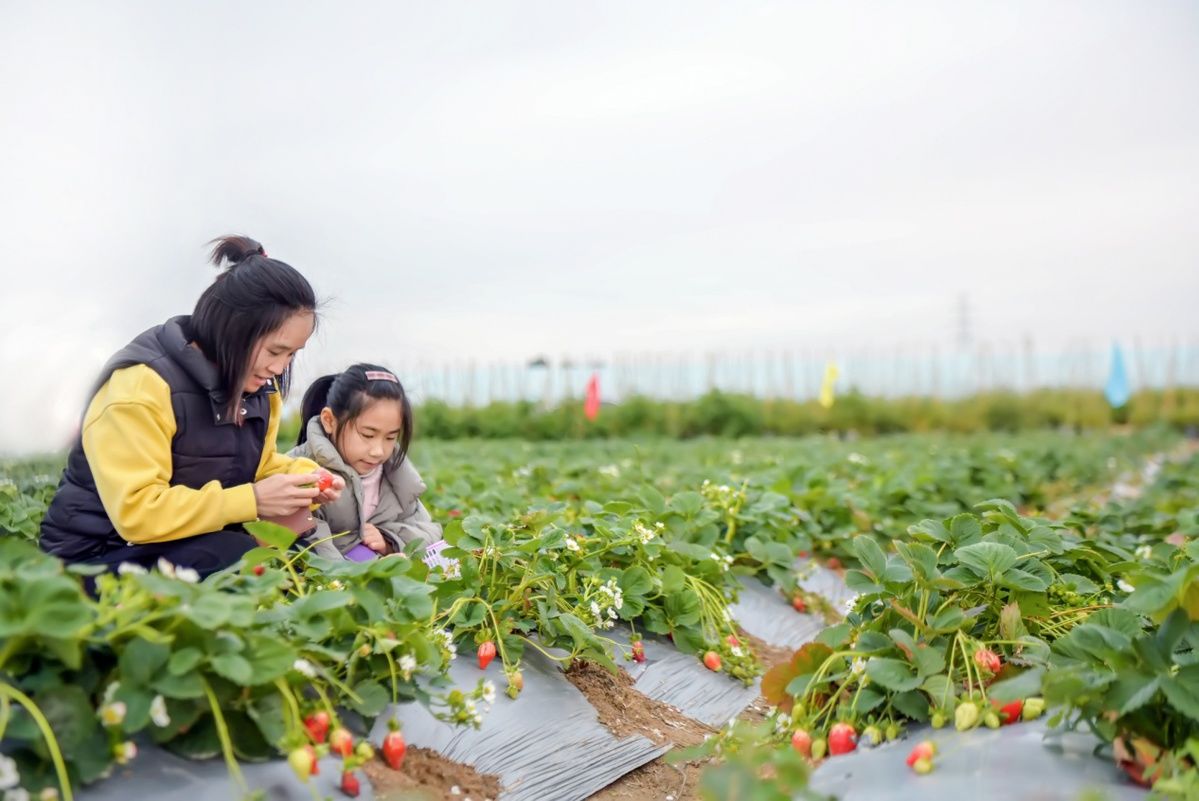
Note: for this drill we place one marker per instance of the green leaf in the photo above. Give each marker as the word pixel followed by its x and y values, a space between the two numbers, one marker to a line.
pixel 1022 580
pixel 871 556
pixel 233 667
pixel 141 660
pixel 866 700
pixel 893 674
pixel 673 579
pixel 373 698
pixel 1182 691
pixel 1021 685
pixel 921 559
pixel 210 611
pixel 986 558
pixel 269 658
pixel 965 530
pixel 835 636
pixel 687 504
pixel 272 534
pixel 929 660
pixel 1131 691
pixel 914 704
pixel 683 608
pixel 948 619
pixel 636 580
pixel 184 661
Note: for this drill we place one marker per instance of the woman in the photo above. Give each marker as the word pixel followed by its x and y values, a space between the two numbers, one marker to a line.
pixel 177 446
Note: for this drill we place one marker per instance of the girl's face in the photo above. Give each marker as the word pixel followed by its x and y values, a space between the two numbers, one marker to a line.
pixel 370 439
pixel 275 351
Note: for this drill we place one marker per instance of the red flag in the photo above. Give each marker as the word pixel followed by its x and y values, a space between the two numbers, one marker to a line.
pixel 591 406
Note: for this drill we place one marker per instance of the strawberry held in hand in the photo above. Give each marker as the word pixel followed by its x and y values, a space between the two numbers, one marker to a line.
pixel 325 481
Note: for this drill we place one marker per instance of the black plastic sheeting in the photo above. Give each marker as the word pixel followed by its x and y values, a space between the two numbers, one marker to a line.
pixel 159 774
pixel 1014 763
pixel 547 744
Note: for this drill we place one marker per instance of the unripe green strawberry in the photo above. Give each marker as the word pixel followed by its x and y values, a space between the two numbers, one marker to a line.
pixel 819 748
pixel 965 716
pixel 1033 707
pixel 938 720
pixel 991 720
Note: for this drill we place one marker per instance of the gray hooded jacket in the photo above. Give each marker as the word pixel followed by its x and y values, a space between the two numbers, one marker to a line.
pixel 400 516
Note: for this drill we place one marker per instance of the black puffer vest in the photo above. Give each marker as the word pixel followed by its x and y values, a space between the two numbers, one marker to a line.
pixel 206 446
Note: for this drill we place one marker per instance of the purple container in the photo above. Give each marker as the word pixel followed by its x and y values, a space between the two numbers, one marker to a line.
pixel 361 553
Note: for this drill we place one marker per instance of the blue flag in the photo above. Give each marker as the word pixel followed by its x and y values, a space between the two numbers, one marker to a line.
pixel 1117 390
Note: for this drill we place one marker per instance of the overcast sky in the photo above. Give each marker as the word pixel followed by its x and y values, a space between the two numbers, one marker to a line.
pixel 493 180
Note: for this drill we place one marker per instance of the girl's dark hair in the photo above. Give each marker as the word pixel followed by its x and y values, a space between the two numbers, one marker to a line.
pixel 252 297
pixel 348 394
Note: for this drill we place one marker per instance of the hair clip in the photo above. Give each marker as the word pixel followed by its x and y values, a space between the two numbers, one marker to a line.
pixel 381 375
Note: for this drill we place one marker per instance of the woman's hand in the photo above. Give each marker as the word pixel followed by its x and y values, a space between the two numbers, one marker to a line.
pixel 373 539
pixel 283 494
pixel 333 491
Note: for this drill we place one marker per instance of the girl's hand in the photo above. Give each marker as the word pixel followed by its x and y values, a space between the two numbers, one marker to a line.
pixel 284 494
pixel 332 492
pixel 372 539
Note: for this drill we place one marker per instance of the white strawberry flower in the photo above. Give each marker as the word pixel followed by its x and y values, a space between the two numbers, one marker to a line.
pixel 187 574
pixel 130 569
pixel 407 664
pixel 572 544
pixel 304 667
pixel 158 712
pixel 113 714
pixel 858 667
pixel 1144 552
pixel 489 692
pixel 166 568
pixel 736 651
pixel 1124 586
pixel 9 776
pixel 110 692
pixel 16 794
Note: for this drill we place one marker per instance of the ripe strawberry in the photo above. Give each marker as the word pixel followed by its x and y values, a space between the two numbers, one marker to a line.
pixel 259 570
pixel 486 654
pixel 325 481
pixel 833 563
pixel 454 513
pixel 922 750
pixel 732 640
pixel 349 784
pixel 316 764
pixel 318 726
pixel 842 738
pixel 988 660
pixel 341 741
pixel 799 604
pixel 801 741
pixel 1011 712
pixel 712 660
pixel 638 651
pixel 394 748
pixel 301 762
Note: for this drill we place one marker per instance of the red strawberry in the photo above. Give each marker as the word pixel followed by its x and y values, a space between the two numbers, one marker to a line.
pixel 1010 712
pixel 712 660
pixel 801 741
pixel 349 784
pixel 259 570
pixel 486 654
pixel 394 748
pixel 325 481
pixel 842 739
pixel 316 765
pixel 301 762
pixel 318 726
pixel 988 660
pixel 732 640
pixel 923 750
pixel 454 513
pixel 638 651
pixel 833 563
pixel 341 741
pixel 798 603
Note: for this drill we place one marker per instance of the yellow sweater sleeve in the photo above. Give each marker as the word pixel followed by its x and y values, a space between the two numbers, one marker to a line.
pixel 274 462
pixel 127 434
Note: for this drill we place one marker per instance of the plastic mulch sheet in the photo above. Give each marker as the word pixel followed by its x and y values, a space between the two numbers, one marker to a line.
pixel 1010 763
pixel 159 774
pixel 547 744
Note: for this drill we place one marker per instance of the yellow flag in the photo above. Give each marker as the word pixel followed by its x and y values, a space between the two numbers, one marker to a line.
pixel 826 386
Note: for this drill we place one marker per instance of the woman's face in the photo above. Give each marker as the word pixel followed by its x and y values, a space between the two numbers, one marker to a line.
pixel 275 351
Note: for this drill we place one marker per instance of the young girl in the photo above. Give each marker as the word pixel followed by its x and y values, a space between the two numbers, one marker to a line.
pixel 358 425
pixel 177 446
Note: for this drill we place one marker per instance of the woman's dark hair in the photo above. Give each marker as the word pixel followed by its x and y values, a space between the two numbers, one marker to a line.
pixel 347 395
pixel 252 297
